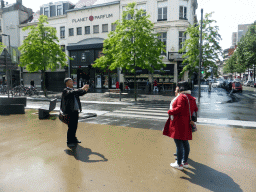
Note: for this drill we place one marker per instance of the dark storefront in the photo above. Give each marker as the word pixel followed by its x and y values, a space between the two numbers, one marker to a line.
pixel 81 69
pixel 164 77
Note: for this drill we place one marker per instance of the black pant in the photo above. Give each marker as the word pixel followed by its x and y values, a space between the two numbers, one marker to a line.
pixel 72 126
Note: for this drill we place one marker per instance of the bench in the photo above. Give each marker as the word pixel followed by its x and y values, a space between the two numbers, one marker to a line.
pixel 12 109
pixel 12 105
pixel 114 91
pixel 46 109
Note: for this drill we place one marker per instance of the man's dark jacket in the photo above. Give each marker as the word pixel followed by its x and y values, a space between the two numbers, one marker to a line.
pixel 68 99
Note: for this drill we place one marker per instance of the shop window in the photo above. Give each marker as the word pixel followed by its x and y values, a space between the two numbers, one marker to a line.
pixel 79 30
pixel 104 28
pixel 163 38
pixel 71 32
pixel 87 30
pixel 183 12
pixel 62 32
pixel 96 29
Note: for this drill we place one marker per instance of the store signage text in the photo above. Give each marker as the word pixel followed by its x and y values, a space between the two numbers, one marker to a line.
pixel 91 18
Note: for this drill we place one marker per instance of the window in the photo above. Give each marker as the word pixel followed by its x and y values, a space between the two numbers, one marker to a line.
pixel 182 38
pixel 96 29
pixel 143 7
pixel 162 38
pixel 162 14
pixel 71 31
pixel 62 32
pixel 59 10
pixel 183 12
pixel 87 30
pixel 128 17
pixel 79 30
pixel 104 27
pixel 162 10
pixel 63 48
pixel 46 11
pixel 0 25
pixel 113 27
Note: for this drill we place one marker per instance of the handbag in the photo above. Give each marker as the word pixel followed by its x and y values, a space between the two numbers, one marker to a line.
pixel 166 130
pixel 191 118
pixel 63 118
pixel 194 117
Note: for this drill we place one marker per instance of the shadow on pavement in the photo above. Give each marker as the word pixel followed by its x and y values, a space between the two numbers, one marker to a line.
pixel 209 178
pixel 82 154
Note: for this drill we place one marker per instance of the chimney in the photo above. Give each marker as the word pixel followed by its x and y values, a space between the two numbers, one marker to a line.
pixel 2 3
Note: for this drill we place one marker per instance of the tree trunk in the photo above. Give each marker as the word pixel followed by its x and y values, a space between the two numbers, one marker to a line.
pixel 135 87
pixel 44 88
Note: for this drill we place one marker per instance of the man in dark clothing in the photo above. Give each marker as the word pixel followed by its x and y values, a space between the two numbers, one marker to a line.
pixel 32 83
pixel 71 105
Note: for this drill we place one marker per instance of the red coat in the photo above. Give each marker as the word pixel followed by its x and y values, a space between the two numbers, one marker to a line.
pixel 117 85
pixel 180 128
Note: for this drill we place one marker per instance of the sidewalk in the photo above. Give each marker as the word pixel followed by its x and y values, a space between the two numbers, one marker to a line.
pixel 102 95
pixel 34 157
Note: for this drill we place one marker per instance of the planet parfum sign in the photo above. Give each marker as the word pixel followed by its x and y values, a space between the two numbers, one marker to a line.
pixel 92 18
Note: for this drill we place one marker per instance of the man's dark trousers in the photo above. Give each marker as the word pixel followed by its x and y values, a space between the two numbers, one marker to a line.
pixel 72 127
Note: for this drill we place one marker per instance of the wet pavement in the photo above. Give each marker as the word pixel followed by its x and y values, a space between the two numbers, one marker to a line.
pixel 150 112
pixel 34 157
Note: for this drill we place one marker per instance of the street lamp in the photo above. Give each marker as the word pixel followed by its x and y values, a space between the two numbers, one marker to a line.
pixel 7 64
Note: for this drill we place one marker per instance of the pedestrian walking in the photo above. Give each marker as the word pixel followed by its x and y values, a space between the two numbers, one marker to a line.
pixel 155 86
pixel 117 85
pixel 210 86
pixel 71 105
pixel 181 109
pixel 32 83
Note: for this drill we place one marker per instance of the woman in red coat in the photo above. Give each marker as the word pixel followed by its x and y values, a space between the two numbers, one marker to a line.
pixel 180 129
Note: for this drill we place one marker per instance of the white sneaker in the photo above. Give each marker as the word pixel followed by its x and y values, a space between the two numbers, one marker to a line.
pixel 175 165
pixel 185 165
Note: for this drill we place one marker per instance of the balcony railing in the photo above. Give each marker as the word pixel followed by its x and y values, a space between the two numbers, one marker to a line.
pixel 175 56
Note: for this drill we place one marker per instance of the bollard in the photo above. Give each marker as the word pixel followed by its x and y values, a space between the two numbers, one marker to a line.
pixel 120 95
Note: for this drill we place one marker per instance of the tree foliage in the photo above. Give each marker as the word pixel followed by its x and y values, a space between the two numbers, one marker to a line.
pixel 244 56
pixel 40 51
pixel 211 50
pixel 133 44
pixel 2 46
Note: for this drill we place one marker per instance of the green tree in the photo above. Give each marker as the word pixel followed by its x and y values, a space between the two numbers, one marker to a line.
pixel 247 48
pixel 230 65
pixel 40 51
pixel 2 46
pixel 211 50
pixel 133 44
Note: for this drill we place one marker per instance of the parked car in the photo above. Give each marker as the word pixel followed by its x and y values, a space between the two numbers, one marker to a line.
pixel 253 84
pixel 237 86
pixel 248 83
pixel 217 84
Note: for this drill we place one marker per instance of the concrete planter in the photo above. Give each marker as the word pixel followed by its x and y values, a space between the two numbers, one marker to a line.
pixel 13 105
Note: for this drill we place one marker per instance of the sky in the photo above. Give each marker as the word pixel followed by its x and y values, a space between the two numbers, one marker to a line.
pixel 227 13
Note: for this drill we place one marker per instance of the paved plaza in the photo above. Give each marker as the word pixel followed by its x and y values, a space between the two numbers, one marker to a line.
pixel 35 157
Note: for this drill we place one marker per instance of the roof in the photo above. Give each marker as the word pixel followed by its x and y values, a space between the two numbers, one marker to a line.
pixel 86 4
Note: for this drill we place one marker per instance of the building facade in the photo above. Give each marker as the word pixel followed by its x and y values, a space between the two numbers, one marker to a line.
pixel 11 16
pixel 82 32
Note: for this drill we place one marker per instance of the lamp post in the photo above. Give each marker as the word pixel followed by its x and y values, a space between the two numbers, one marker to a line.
pixel 7 64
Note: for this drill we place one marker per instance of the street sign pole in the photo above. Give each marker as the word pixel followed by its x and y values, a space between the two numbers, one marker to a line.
pixel 200 59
